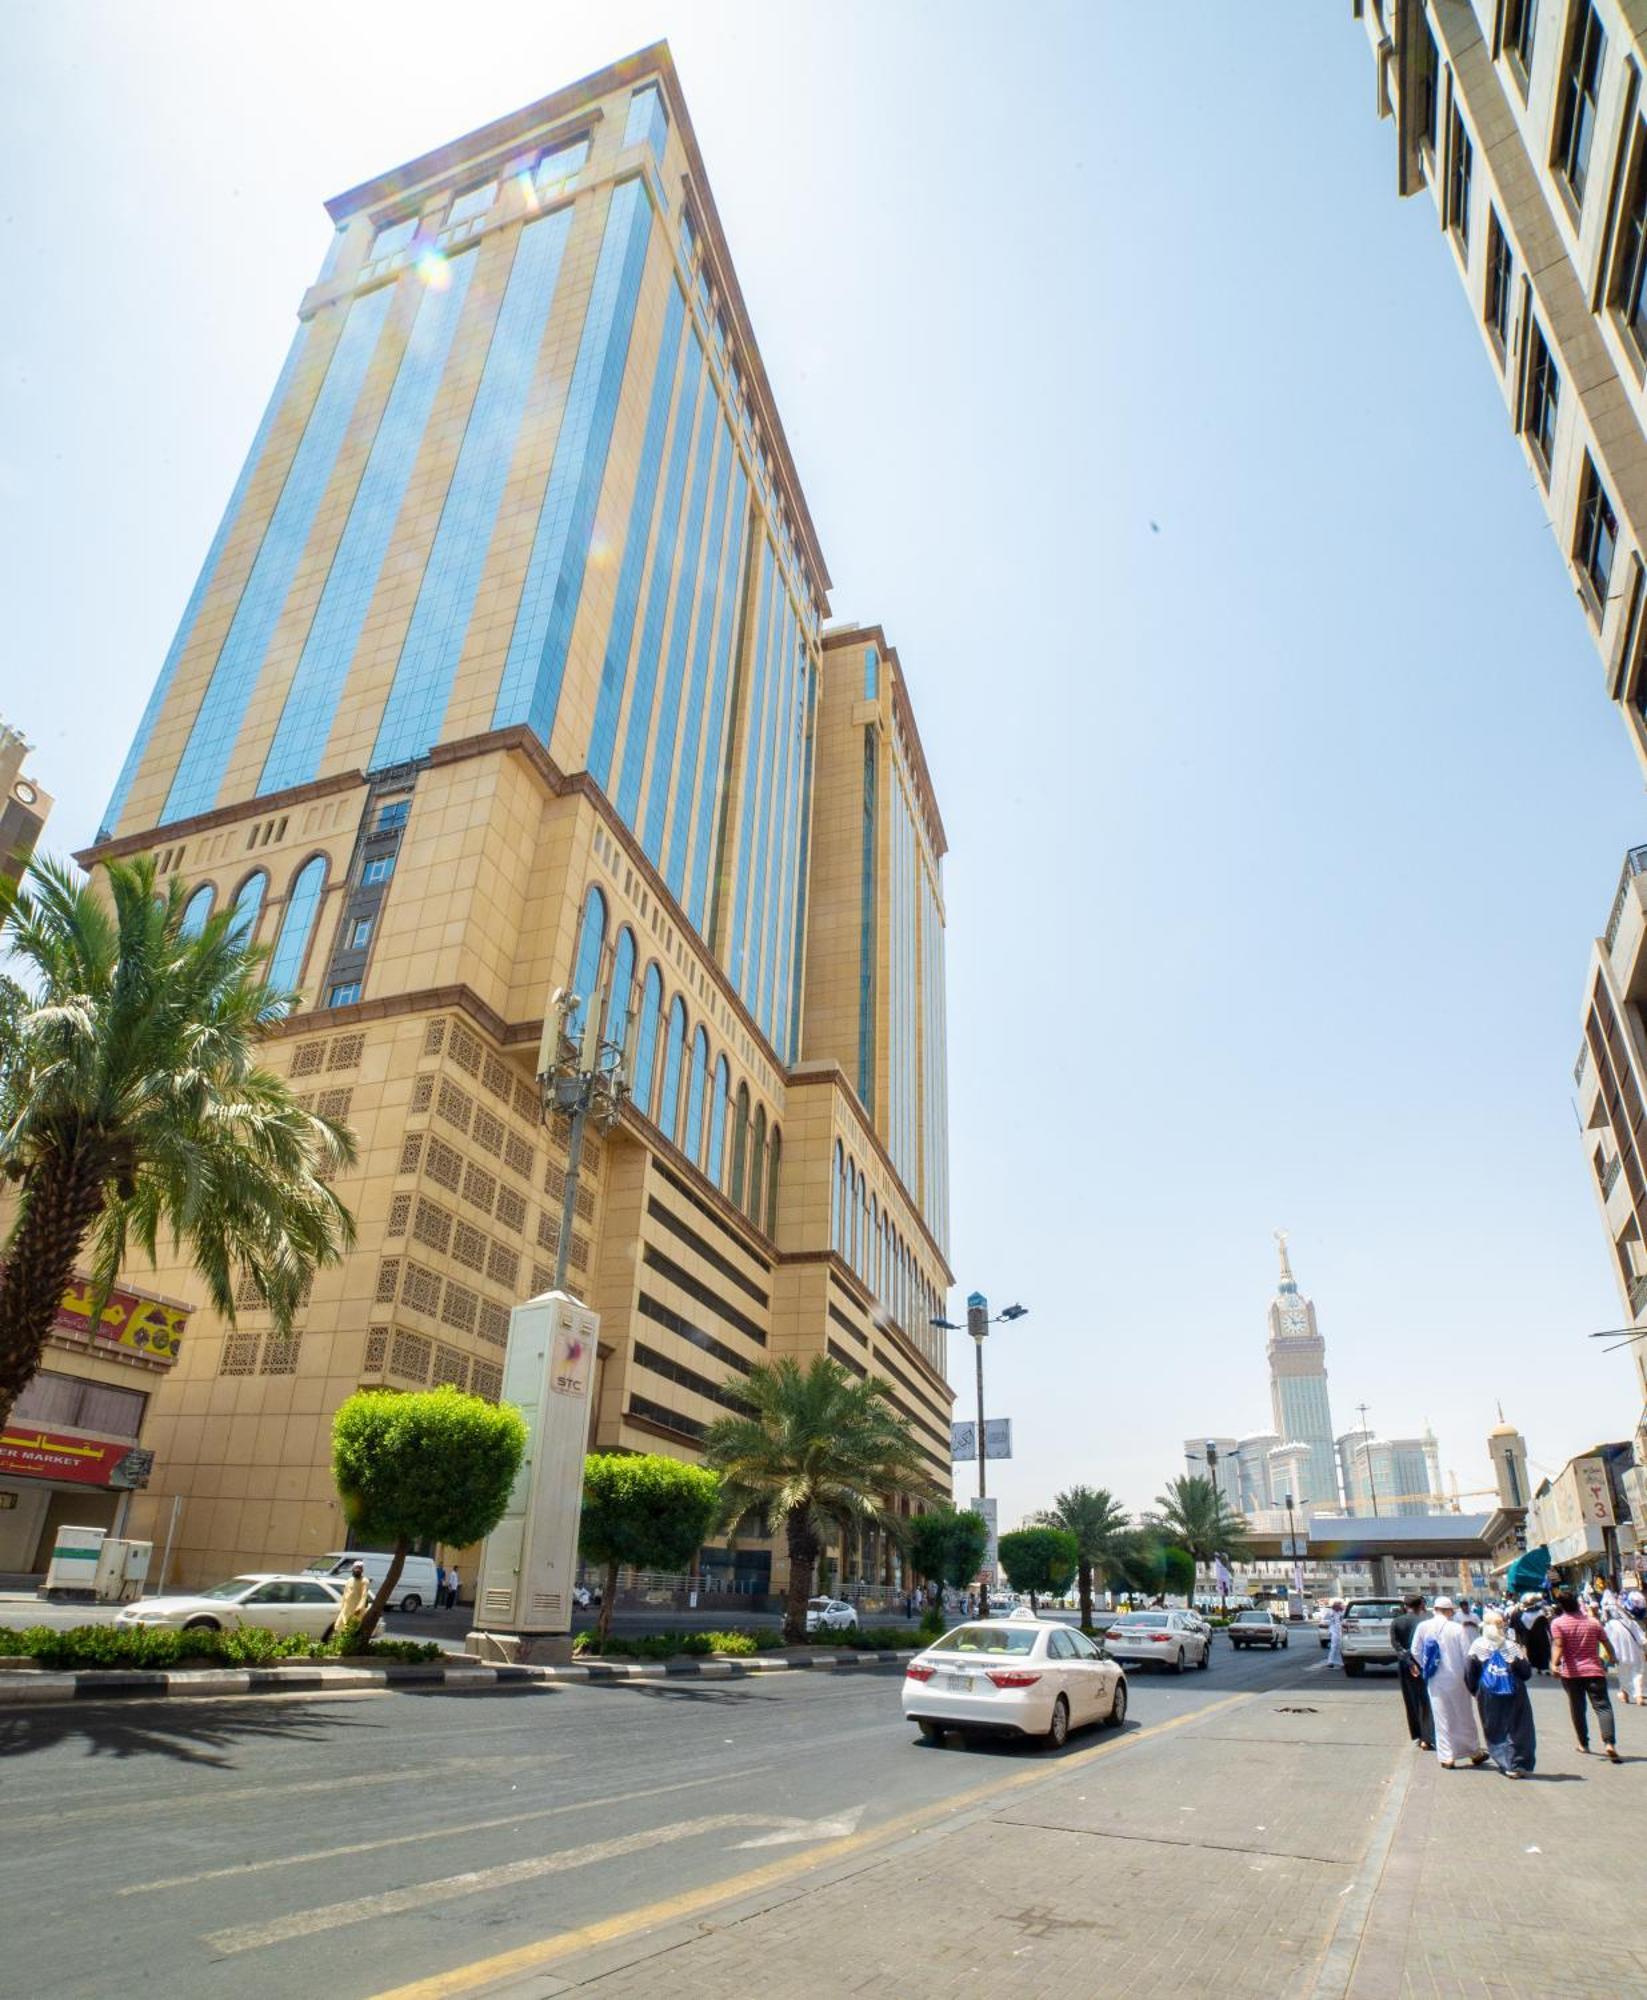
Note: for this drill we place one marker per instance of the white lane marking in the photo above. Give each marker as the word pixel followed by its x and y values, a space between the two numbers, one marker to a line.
pixel 436 1832
pixel 474 1882
pixel 834 1828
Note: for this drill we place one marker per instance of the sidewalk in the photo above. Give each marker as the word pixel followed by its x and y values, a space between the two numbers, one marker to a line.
pixel 1281 1844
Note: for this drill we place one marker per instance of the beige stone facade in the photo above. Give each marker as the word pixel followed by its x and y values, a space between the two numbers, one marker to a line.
pixel 507 673
pixel 1525 121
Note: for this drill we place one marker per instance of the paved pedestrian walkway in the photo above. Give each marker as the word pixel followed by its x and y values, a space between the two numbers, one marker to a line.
pixel 1281 1844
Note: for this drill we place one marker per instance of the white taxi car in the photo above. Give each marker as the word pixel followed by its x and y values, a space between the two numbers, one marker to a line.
pixel 830 1614
pixel 1017 1676
pixel 1160 1638
pixel 305 1604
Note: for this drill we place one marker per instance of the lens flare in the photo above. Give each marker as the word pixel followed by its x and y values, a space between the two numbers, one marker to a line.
pixel 434 270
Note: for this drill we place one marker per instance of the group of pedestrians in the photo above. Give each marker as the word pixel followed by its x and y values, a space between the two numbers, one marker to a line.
pixel 1464 1672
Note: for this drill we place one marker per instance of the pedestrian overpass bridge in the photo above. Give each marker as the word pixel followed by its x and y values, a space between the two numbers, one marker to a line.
pixel 1380 1541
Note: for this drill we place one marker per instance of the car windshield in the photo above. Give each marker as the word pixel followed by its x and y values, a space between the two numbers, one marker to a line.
pixel 998 1640
pixel 1252 1618
pixel 1144 1618
pixel 1372 1610
pixel 237 1586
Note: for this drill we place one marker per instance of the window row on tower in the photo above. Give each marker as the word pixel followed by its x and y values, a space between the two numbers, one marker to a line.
pixel 865 1235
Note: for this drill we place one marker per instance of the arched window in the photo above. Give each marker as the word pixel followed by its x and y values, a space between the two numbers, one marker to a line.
pixel 740 1142
pixel 835 1200
pixel 247 907
pixel 717 1121
pixel 586 961
pixel 872 1250
pixel 697 1076
pixel 863 1228
pixel 757 1165
pixel 297 923
pixel 646 1039
pixel 674 1047
pixel 623 978
pixel 774 1149
pixel 852 1213
pixel 196 910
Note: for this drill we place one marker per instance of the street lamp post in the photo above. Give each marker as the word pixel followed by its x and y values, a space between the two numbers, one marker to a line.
pixel 581 1076
pixel 1210 1459
pixel 978 1323
pixel 1297 1590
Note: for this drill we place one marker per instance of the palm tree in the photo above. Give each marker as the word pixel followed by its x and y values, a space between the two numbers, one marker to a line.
pixel 1097 1521
pixel 1198 1518
pixel 814 1449
pixel 131 1102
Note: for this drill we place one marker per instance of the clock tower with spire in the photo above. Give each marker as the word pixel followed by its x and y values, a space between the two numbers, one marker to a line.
pixel 1298 1385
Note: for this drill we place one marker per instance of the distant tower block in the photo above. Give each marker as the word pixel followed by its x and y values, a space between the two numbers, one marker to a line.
pixel 1508 1450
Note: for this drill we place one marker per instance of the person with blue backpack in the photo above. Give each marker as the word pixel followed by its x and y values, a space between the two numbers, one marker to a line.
pixel 1497 1674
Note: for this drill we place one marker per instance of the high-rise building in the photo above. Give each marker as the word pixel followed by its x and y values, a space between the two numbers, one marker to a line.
pixel 23 809
pixel 1297 1357
pixel 1508 1450
pixel 1525 121
pixel 506 671
pixel 1216 1458
pixel 1390 1475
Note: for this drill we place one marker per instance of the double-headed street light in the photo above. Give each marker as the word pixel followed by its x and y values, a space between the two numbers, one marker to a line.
pixel 978 1323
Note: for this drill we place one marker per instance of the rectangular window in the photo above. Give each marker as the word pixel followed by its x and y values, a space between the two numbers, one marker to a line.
pixel 360 934
pixel 1543 397
pixel 1630 259
pixel 1577 94
pixel 475 202
pixel 345 995
pixel 1460 159
pixel 1597 538
pixel 557 172
pixel 647 120
pixel 1429 90
pixel 395 814
pixel 378 869
pixel 1498 284
pixel 1520 21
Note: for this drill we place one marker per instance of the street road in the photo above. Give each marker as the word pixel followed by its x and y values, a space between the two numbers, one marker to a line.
pixel 353 1844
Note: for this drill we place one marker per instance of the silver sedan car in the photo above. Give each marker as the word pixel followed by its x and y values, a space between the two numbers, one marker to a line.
pixel 1018 1676
pixel 1166 1639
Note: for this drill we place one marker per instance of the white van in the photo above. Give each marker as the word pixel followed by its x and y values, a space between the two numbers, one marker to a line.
pixel 414 1590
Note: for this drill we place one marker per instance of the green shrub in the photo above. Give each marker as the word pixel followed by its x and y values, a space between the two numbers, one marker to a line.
pixel 934 1625
pixel 86 1648
pixel 738 1645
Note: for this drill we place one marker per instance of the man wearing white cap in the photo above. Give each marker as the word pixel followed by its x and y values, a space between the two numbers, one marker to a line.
pixel 1441 1647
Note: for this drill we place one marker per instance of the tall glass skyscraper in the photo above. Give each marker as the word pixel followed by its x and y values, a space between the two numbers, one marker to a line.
pixel 1298 1386
pixel 507 670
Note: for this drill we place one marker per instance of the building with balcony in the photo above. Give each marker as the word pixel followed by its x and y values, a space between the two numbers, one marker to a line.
pixel 506 672
pixel 23 810
pixel 1524 122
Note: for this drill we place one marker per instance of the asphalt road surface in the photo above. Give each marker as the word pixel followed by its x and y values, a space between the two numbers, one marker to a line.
pixel 353 1844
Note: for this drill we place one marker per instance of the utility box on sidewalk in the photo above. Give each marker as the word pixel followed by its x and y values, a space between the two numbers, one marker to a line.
pixel 122 1571
pixel 74 1558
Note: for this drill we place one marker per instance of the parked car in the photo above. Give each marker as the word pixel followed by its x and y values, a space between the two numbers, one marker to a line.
pixel 1018 1676
pixel 830 1614
pixel 1258 1628
pixel 1161 1638
pixel 414 1588
pixel 1367 1640
pixel 303 1604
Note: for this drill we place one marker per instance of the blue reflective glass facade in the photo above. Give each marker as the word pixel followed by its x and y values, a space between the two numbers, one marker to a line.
pixel 760 693
pixel 248 907
pixel 867 936
pixel 311 704
pixel 196 910
pixel 530 688
pixel 239 663
pixel 647 121
pixel 712 762
pixel 696 1082
pixel 643 679
pixel 684 788
pixel 614 671
pixel 586 960
pixel 208 569
pixel 440 618
pixel 646 1040
pixel 715 1166
pixel 674 1049
pixel 297 924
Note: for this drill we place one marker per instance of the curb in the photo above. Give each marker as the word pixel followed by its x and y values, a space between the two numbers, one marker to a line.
pixel 22 1689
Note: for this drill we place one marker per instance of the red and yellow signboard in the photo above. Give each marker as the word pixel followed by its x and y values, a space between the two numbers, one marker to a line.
pixel 139 1325
pixel 40 1454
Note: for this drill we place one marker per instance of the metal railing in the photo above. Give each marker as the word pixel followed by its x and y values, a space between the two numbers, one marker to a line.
pixel 1635 863
pixel 1609 1176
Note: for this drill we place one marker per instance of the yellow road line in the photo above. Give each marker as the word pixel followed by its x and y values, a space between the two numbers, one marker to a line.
pixel 672 1909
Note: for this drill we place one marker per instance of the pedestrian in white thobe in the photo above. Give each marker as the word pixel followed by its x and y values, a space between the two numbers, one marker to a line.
pixel 1335 1634
pixel 1441 1646
pixel 1624 1642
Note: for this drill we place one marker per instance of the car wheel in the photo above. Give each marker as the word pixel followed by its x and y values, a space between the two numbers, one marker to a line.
pixel 1179 1668
pixel 202 1625
pixel 410 1602
pixel 931 1732
pixel 1058 1732
pixel 1118 1707
pixel 1286 1642
pixel 1205 1660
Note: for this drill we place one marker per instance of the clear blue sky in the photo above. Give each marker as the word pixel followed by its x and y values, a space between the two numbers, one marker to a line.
pixel 1279 836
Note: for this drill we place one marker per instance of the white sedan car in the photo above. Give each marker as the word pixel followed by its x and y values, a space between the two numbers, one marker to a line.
pixel 1158 1638
pixel 302 1604
pixel 830 1614
pixel 1018 1676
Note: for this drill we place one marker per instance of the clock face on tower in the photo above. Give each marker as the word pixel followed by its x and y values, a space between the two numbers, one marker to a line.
pixel 1295 1320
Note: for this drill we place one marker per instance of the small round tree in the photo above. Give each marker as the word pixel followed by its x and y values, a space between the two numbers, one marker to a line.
pixel 948 1547
pixel 1040 1560
pixel 642 1510
pixel 434 1466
